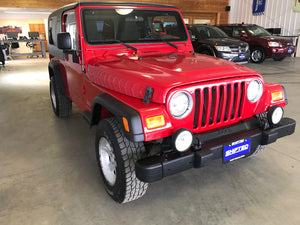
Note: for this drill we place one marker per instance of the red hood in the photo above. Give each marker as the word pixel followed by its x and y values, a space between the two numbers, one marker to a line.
pixel 131 75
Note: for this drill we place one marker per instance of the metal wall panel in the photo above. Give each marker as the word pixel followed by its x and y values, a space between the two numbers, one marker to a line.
pixel 278 14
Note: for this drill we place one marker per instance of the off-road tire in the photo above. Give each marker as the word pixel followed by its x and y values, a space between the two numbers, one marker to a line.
pixel 127 187
pixel 61 104
pixel 257 55
pixel 259 149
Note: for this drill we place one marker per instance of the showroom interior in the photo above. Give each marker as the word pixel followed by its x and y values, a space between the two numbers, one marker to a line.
pixel 48 166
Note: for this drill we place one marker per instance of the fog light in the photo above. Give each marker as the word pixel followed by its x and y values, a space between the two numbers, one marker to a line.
pixel 275 115
pixel 182 140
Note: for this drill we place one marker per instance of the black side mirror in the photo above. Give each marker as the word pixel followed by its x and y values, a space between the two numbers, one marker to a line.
pixel 64 41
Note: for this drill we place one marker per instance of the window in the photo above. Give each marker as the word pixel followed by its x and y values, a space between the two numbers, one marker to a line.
pixel 257 31
pixel 238 32
pixel 106 26
pixel 70 26
pixel 227 30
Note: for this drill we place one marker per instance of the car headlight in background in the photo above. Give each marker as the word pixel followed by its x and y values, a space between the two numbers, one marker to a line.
pixel 254 91
pixel 274 44
pixel 223 48
pixel 181 104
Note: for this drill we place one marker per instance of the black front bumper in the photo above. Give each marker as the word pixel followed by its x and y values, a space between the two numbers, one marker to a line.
pixel 212 144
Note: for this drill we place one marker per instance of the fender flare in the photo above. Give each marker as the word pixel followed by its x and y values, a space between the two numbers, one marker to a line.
pixel 120 110
pixel 55 70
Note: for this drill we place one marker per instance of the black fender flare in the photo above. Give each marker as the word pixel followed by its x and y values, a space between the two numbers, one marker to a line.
pixel 55 70
pixel 120 110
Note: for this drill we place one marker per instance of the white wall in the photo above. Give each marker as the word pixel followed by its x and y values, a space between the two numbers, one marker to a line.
pixel 24 23
pixel 278 14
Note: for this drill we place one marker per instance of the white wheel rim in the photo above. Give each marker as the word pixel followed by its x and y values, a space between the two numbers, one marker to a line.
pixel 53 97
pixel 107 161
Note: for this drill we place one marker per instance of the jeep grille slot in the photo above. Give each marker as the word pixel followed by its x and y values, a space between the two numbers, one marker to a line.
pixel 218 104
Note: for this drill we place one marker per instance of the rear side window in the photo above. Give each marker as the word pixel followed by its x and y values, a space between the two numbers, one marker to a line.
pixel 54 27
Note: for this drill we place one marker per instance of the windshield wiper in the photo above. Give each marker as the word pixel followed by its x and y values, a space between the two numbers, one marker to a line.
pixel 127 45
pixel 171 44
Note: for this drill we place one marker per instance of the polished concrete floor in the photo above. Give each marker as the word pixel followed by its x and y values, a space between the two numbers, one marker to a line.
pixel 48 171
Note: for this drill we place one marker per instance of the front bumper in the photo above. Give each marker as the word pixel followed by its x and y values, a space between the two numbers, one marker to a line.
pixel 235 57
pixel 280 52
pixel 212 146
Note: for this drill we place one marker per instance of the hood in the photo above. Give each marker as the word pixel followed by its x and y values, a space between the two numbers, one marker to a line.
pixel 277 38
pixel 132 75
pixel 226 42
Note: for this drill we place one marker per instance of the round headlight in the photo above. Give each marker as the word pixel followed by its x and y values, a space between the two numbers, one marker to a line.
pixel 181 104
pixel 275 115
pixel 182 139
pixel 254 91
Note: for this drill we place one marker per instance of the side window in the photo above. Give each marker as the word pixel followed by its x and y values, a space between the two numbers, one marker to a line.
pixel 50 31
pixel 237 32
pixel 202 33
pixel 54 27
pixel 70 27
pixel 227 30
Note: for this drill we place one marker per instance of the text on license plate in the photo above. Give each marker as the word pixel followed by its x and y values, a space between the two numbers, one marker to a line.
pixel 242 56
pixel 290 50
pixel 236 149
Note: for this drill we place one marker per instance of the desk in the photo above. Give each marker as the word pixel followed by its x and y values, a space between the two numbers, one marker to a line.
pixel 43 52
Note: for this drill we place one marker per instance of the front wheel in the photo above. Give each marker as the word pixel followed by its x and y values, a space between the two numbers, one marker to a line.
pixel 259 149
pixel 116 156
pixel 258 55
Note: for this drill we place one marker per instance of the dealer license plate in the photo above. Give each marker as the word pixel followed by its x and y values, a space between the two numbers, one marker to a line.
pixel 236 150
pixel 290 50
pixel 242 56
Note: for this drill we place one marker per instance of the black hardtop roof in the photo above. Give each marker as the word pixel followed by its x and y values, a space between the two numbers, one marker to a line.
pixel 112 3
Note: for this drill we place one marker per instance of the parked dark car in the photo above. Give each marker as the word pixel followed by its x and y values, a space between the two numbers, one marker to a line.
pixel 210 40
pixel 262 43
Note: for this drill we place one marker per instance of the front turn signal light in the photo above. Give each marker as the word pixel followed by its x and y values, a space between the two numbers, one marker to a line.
pixel 155 122
pixel 276 96
pixel 125 123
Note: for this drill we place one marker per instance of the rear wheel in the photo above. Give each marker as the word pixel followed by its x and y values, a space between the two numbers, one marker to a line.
pixel 61 104
pixel 258 55
pixel 116 157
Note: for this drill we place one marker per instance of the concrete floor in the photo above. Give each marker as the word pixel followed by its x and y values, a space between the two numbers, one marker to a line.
pixel 48 171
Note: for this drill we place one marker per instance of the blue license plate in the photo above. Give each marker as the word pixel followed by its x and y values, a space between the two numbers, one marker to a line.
pixel 236 150
pixel 242 56
pixel 290 50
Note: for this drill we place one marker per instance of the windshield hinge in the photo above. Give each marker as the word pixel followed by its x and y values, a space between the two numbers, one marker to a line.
pixel 148 94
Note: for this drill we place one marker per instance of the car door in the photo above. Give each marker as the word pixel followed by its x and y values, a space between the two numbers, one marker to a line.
pixel 73 61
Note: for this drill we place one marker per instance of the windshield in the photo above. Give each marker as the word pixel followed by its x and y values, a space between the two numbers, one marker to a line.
pixel 105 26
pixel 257 31
pixel 204 32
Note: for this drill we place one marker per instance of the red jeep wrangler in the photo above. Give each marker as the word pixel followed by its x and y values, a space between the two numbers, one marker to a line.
pixel 159 107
